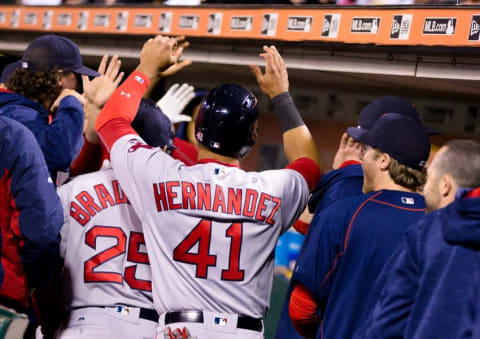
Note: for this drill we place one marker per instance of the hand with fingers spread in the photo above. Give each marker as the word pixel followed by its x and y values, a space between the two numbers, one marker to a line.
pixel 275 79
pixel 158 54
pixel 349 149
pixel 174 102
pixel 98 90
pixel 179 64
pixel 178 333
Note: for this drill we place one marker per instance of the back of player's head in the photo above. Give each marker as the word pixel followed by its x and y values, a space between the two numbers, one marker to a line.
pixel 51 52
pixel 404 139
pixel 152 125
pixel 461 160
pixel 387 104
pixel 226 120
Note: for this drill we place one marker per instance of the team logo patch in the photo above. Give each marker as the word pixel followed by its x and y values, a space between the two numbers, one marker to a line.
pixel 214 23
pixel 241 23
pixel 122 310
pixel 300 23
pixel 136 144
pixel 401 27
pixel 221 321
pixel 139 79
pixel 365 25
pixel 439 26
pixel 269 24
pixel 408 201
pixel 331 24
pixel 188 22
pixel 474 34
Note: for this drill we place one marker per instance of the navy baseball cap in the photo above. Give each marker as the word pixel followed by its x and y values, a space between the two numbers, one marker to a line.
pixel 403 138
pixel 378 107
pixel 51 51
pixel 153 125
pixel 8 70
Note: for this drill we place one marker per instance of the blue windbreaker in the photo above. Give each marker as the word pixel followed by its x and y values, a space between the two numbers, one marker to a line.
pixel 31 216
pixel 430 283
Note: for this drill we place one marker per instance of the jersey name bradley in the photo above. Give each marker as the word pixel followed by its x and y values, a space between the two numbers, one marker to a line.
pixel 249 203
pixel 84 207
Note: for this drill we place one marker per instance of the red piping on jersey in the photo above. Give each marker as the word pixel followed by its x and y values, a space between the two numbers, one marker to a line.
pixel 349 163
pixel 329 273
pixel 208 160
pixel 399 207
pixel 309 170
pixel 475 193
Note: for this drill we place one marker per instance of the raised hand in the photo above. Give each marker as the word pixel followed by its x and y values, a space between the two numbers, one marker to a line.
pixel 275 79
pixel 349 149
pixel 158 54
pixel 174 102
pixel 99 90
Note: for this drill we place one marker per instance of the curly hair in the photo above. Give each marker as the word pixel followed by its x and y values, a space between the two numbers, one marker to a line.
pixel 40 86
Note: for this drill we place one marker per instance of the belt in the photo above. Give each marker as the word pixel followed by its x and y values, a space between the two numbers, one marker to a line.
pixel 145 313
pixel 247 323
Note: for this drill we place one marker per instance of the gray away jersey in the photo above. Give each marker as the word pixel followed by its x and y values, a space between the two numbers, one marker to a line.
pixel 210 229
pixel 103 245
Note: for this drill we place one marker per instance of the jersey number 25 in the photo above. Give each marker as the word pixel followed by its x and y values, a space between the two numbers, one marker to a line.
pixel 133 255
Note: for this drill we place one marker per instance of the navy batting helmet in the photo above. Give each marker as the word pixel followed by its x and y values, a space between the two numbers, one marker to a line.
pixel 226 120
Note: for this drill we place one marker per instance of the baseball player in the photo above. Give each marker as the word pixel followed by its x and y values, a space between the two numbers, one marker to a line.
pixel 350 240
pixel 30 221
pixel 211 228
pixel 345 180
pixel 426 286
pixel 110 294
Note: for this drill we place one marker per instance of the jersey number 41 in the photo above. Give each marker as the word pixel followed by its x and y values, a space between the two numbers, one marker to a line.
pixel 201 234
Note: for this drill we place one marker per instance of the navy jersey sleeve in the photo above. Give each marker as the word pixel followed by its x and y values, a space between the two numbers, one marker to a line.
pixel 40 214
pixel 322 252
pixel 399 281
pixel 62 140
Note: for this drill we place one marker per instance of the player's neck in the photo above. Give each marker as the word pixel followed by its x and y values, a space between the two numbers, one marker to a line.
pixel 204 153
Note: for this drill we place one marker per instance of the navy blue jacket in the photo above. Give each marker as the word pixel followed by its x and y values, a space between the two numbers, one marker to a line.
pixel 340 183
pixel 346 252
pixel 31 215
pixel 61 140
pixel 428 289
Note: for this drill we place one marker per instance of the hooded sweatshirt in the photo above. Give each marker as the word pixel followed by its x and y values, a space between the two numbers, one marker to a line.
pixel 433 276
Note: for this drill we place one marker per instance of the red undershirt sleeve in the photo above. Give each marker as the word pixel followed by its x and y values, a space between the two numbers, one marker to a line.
pixel 309 170
pixel 303 312
pixel 301 226
pixel 114 120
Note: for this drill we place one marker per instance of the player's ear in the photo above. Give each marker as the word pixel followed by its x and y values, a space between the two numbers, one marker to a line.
pixel 384 161
pixel 445 185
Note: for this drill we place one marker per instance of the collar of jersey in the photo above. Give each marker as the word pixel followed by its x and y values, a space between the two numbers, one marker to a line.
pixel 207 161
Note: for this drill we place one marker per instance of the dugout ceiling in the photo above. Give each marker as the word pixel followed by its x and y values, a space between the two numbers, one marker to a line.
pixel 337 56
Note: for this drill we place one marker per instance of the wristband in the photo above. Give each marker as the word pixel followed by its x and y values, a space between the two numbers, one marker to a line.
pixel 287 112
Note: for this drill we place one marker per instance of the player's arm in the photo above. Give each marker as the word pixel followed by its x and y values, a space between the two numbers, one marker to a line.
pixel 298 142
pixel 120 110
pixel 316 269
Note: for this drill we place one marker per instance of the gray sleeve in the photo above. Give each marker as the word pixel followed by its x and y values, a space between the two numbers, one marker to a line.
pixel 287 112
